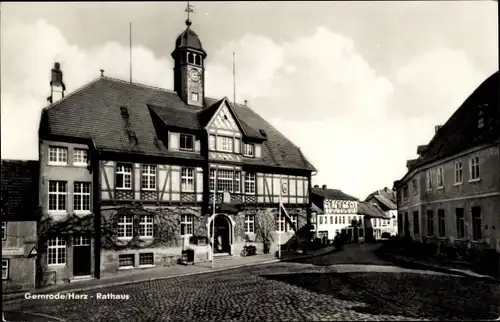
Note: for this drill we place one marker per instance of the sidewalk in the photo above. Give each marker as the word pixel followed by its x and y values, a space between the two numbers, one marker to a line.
pixel 151 274
pixel 423 264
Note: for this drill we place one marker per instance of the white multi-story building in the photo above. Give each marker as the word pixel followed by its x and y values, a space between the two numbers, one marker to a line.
pixel 339 213
pixel 386 200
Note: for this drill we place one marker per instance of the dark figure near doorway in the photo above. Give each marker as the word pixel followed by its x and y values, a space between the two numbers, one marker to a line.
pixel 222 235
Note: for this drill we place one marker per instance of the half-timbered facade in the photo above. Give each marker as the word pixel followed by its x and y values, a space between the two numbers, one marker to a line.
pixel 156 160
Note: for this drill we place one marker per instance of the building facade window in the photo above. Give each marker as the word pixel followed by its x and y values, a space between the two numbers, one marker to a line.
pixel 405 192
pixel 186 225
pixel 4 230
pixel 249 183
pixel 186 142
pixel 336 219
pixel 280 223
pixel 125 227
pixel 458 172
pixel 441 223
pixel 331 220
pixel 474 168
pixel 80 157
pixel 249 150
pixel 225 144
pixel 249 224
pixel 321 220
pixel 460 220
pixel 146 259
pixel 428 176
pixel 477 230
pixel 195 96
pixel 187 179
pixel 58 155
pixel 148 181
pixel 440 177
pixel 126 261
pixel 414 186
pixel 5 269
pixel 211 142
pixel 416 226
pixel 225 180
pixel 81 197
pixel 123 176
pixel 294 220
pixel 146 226
pixel 237 181
pixel 57 196
pixel 430 223
pixel 56 251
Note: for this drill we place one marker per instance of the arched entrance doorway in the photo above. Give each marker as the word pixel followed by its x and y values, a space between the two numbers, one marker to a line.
pixel 223 237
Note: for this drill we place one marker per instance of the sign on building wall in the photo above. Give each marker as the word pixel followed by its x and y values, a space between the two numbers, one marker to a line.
pixel 341 206
pixel 13 251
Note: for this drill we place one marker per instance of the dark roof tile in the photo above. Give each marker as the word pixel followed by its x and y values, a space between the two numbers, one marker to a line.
pixel 94 112
pixel 19 191
pixel 332 194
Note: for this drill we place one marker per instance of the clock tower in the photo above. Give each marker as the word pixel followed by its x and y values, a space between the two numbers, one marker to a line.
pixel 189 70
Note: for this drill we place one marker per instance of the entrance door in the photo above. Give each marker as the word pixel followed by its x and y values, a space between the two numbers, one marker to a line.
pixel 81 255
pixel 407 225
pixel 222 235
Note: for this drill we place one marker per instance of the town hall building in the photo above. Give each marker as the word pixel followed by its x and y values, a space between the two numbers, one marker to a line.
pixel 130 174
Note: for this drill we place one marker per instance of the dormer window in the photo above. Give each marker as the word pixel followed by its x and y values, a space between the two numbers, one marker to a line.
pixel 225 144
pixel 480 121
pixel 186 142
pixel 249 150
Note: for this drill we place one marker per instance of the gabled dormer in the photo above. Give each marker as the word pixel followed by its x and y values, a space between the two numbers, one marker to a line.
pixel 228 137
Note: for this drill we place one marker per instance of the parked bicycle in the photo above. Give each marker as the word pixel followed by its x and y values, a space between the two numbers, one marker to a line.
pixel 248 250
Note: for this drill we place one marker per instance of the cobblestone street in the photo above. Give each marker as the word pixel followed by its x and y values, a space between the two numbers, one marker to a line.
pixel 324 288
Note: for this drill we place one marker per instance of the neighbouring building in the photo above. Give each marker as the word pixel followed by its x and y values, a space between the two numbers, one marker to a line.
pixel 339 213
pixel 451 191
pixel 129 173
pixel 19 216
pixel 386 200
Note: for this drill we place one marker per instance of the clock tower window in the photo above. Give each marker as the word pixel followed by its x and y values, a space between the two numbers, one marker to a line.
pixel 190 58
pixel 197 60
pixel 195 97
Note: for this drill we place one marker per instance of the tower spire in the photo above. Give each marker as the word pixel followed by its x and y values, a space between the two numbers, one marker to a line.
pixel 189 9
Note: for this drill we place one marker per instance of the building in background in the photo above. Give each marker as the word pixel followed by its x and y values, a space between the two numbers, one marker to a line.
pixel 451 191
pixel 339 214
pixel 386 200
pixel 19 216
pixel 129 173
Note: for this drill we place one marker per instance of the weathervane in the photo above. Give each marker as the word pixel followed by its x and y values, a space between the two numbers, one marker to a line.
pixel 189 9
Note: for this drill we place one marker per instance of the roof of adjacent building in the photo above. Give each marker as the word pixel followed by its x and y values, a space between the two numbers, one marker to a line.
pixel 371 210
pixel 385 196
pixel 19 191
pixel 120 116
pixel 461 132
pixel 316 209
pixel 332 194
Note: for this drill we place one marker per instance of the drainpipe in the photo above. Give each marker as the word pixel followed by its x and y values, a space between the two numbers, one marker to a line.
pixel 96 208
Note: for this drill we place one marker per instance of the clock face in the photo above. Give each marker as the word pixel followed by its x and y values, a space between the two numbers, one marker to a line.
pixel 194 74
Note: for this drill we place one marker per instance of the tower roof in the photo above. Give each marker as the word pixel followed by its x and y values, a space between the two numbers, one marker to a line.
pixel 188 39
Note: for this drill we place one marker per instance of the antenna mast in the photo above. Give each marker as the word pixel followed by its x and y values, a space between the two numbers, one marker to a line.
pixel 234 79
pixel 130 42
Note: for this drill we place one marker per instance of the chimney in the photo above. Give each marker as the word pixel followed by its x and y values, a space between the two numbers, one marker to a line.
pixel 245 102
pixel 316 186
pixel 324 186
pixel 436 128
pixel 57 86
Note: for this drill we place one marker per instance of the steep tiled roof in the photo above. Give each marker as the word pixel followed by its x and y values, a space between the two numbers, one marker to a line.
pixel 332 194
pixel 19 191
pixel 371 210
pixel 188 39
pixel 95 111
pixel 461 131
pixel 316 209
pixel 384 196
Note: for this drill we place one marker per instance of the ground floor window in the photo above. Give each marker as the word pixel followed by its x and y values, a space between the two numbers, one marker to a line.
pixel 477 231
pixel 146 259
pixel 361 232
pixel 57 251
pixel 126 261
pixel 5 269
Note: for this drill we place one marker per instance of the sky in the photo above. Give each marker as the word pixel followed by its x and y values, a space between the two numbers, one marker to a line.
pixel 356 85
